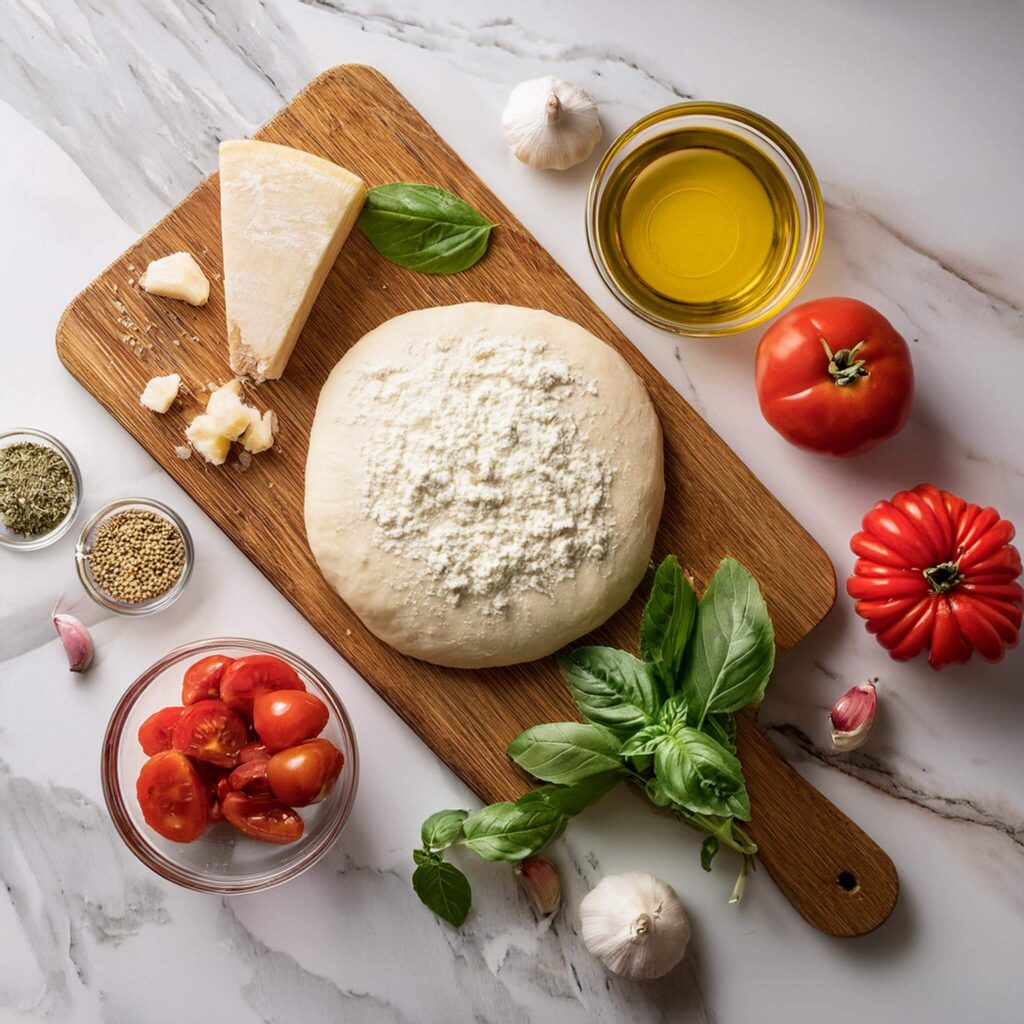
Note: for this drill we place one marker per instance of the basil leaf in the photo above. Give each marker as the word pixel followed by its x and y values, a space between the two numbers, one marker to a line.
pixel 673 713
pixel 425 857
pixel 441 829
pixel 733 649
pixel 708 849
pixel 668 620
pixel 565 752
pixel 701 775
pixel 656 793
pixel 722 729
pixel 611 688
pixel 424 228
pixel 643 742
pixel 507 831
pixel 570 800
pixel 444 889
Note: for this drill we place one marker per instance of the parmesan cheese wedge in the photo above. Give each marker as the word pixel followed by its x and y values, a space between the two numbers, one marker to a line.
pixel 285 215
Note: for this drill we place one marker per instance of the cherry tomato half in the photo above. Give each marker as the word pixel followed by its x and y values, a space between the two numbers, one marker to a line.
pixel 284 718
pixel 202 680
pixel 246 678
pixel 155 731
pixel 262 817
pixel 173 798
pixel 305 774
pixel 210 731
pixel 833 376
pixel 213 779
pixel 253 751
pixel 250 776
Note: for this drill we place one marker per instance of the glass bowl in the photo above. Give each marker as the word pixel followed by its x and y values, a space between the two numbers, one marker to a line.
pixel 17 541
pixel 770 142
pixel 222 860
pixel 84 546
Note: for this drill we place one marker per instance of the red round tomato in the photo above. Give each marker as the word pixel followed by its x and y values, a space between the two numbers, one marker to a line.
pixel 833 376
pixel 286 717
pixel 246 678
pixel 172 797
pixel 210 731
pixel 936 573
pixel 155 731
pixel 250 776
pixel 202 680
pixel 262 817
pixel 305 774
pixel 253 751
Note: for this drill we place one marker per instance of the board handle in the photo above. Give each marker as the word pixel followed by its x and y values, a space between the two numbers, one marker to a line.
pixel 834 873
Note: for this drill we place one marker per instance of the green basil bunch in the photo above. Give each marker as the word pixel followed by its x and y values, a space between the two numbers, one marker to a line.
pixel 664 720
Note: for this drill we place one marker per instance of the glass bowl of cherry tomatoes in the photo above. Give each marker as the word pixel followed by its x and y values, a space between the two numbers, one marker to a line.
pixel 229 766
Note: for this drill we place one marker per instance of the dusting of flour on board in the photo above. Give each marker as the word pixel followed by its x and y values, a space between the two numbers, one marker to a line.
pixel 482 475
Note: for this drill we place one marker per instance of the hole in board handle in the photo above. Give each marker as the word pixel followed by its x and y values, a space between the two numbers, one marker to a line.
pixel 847 881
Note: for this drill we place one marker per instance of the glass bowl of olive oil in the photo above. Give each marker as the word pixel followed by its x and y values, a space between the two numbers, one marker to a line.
pixel 704 218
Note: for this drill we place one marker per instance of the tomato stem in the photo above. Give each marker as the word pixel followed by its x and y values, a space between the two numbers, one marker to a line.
pixel 844 366
pixel 943 577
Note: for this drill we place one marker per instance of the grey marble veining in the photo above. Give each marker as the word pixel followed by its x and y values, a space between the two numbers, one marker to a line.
pixel 140 95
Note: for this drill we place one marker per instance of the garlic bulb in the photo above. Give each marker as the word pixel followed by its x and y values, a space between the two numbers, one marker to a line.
pixel 551 123
pixel 635 925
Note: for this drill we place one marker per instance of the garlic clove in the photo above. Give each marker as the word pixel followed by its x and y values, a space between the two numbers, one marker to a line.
pixel 77 641
pixel 635 925
pixel 851 719
pixel 550 123
pixel 542 884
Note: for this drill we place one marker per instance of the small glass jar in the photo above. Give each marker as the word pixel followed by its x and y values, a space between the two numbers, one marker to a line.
pixel 88 536
pixel 21 542
pixel 222 859
pixel 772 145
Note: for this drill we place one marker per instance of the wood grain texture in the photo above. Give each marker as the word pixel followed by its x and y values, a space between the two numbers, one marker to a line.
pixel 113 337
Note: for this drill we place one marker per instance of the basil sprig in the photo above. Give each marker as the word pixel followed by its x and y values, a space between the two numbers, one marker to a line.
pixel 665 721
pixel 424 228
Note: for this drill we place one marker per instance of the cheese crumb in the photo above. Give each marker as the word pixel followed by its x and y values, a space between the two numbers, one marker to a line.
pixel 177 276
pixel 160 392
pixel 228 418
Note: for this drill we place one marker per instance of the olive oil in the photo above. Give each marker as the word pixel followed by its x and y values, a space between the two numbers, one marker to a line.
pixel 698 222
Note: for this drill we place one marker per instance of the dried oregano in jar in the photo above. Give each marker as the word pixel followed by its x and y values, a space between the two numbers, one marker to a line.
pixel 137 555
pixel 36 488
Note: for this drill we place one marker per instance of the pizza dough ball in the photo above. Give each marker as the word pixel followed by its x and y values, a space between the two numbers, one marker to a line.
pixel 483 483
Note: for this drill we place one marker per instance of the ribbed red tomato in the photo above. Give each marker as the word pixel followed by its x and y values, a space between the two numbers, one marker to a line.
pixel 833 376
pixel 936 573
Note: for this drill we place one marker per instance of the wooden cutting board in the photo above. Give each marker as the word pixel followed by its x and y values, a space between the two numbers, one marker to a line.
pixel 114 337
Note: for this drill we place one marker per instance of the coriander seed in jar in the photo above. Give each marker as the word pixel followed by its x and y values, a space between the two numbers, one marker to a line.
pixel 135 556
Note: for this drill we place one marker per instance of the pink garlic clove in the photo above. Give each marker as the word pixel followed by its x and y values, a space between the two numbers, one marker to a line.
pixel 75 637
pixel 542 884
pixel 851 719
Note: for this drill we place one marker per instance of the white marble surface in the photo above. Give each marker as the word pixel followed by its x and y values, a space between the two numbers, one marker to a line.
pixel 111 111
